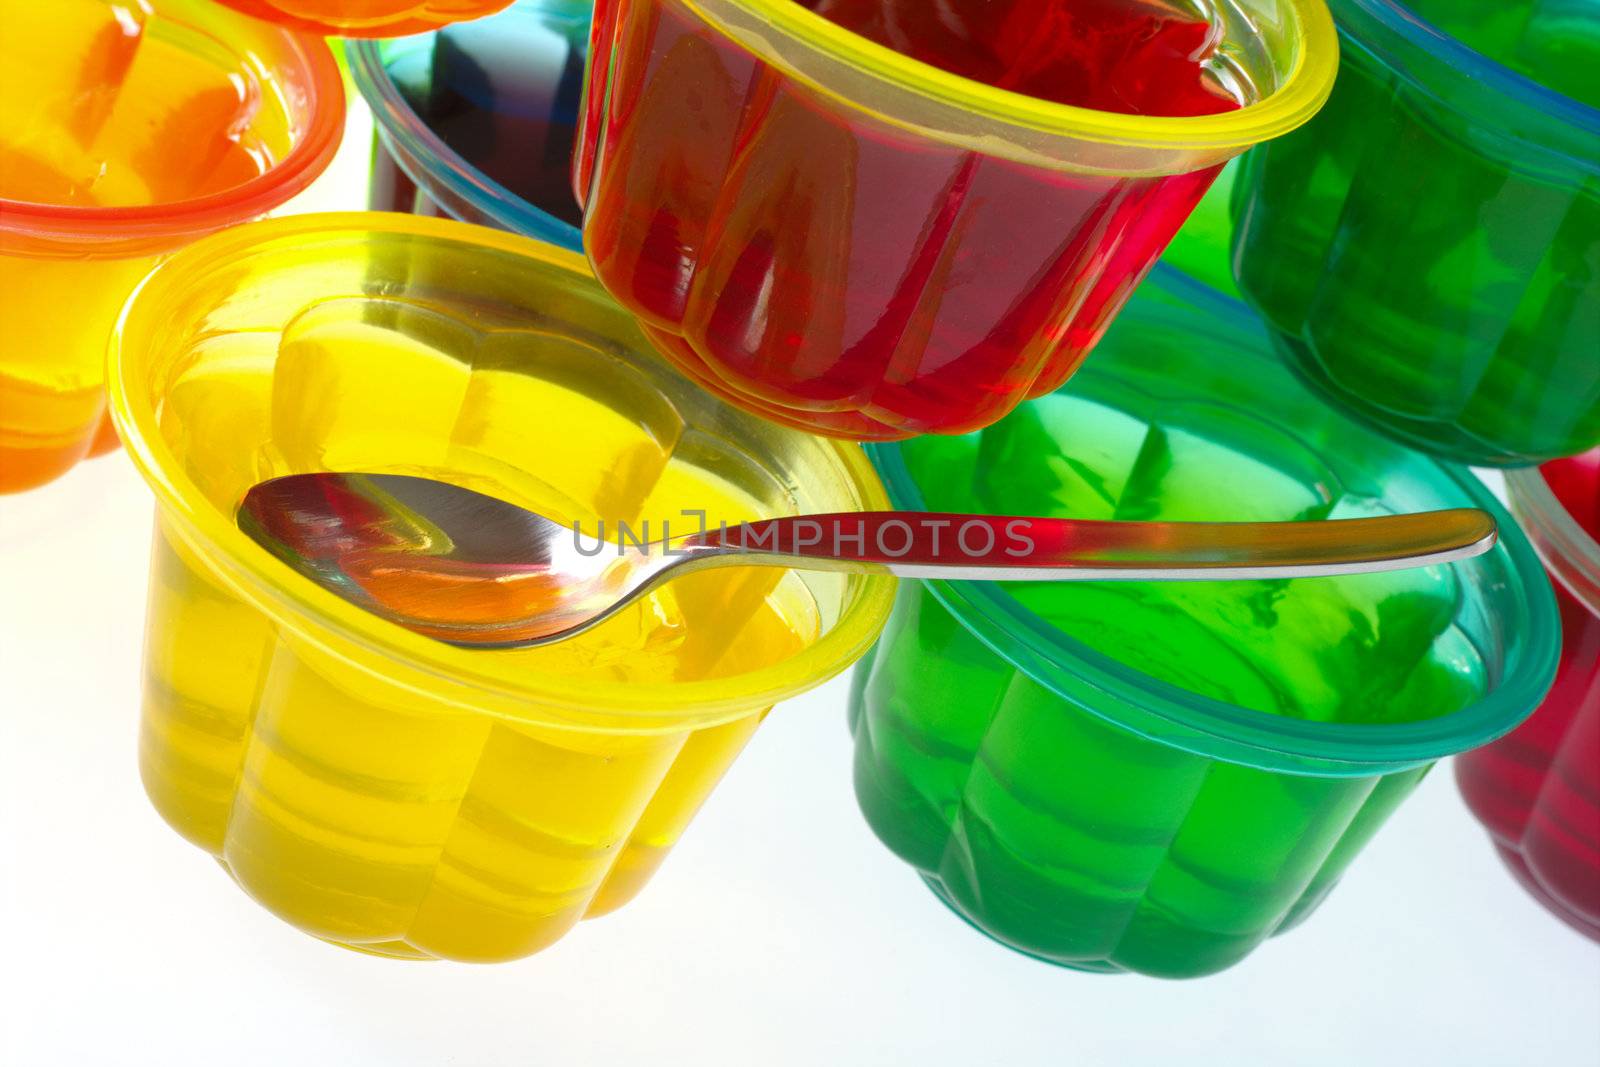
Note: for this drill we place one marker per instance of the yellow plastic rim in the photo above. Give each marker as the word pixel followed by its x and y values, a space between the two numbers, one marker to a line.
pixel 1301 91
pixel 474 680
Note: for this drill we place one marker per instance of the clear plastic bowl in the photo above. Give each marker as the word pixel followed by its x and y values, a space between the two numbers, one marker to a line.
pixel 379 789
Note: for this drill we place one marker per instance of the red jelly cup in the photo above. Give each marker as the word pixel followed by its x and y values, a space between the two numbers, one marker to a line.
pixel 844 239
pixel 1537 790
pixel 129 130
pixel 367 18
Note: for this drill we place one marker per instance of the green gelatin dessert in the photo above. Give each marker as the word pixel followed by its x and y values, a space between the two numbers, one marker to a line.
pixel 1427 249
pixel 1156 777
pixel 1201 247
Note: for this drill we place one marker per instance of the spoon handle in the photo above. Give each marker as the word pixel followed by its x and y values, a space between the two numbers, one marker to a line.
pixel 1002 548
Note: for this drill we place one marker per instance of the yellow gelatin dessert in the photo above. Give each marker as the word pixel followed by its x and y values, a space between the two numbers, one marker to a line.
pixel 372 786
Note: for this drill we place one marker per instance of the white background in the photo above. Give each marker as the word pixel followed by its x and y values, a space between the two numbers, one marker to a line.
pixel 779 931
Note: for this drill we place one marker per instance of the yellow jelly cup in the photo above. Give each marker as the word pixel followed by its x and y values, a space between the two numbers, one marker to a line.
pixel 126 131
pixel 374 787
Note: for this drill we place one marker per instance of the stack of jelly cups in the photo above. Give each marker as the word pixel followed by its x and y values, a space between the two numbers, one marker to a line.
pixel 1425 250
pixel 466 804
pixel 1156 777
pixel 841 217
pixel 477 122
pixel 1538 790
pixel 864 221
pixel 129 130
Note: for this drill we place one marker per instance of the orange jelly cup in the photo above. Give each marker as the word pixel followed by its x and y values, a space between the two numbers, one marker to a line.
pixel 367 18
pixel 127 130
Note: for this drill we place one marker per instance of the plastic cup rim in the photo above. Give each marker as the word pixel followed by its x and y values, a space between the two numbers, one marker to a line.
pixel 1304 88
pixel 305 161
pixel 1414 30
pixel 1275 742
pixel 375 28
pixel 1571 555
pixel 492 686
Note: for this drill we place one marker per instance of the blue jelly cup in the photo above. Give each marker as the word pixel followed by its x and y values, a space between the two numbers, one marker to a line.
pixel 477 121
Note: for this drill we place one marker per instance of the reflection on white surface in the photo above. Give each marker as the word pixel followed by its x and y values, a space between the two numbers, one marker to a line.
pixel 779 927
pixel 778 930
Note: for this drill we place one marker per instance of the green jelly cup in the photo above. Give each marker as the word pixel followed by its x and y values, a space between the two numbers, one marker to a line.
pixel 376 788
pixel 1157 777
pixel 1425 249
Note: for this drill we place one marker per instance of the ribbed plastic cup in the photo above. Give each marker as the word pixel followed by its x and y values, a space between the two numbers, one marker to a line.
pixel 1537 791
pixel 850 241
pixel 1425 249
pixel 1157 777
pixel 374 787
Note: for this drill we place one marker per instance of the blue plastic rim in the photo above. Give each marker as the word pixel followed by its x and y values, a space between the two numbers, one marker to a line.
pixel 1466 79
pixel 1414 30
pixel 1172 715
pixel 433 166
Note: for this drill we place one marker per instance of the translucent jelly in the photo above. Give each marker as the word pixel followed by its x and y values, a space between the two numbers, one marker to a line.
pixel 1379 648
pixel 1136 57
pixel 501 95
pixel 824 260
pixel 1156 777
pixel 366 18
pixel 1425 249
pixel 1538 790
pixel 128 129
pixel 549 825
pixel 374 787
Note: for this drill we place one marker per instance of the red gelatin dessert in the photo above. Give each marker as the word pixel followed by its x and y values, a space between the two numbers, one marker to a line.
pixel 1537 790
pixel 878 218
